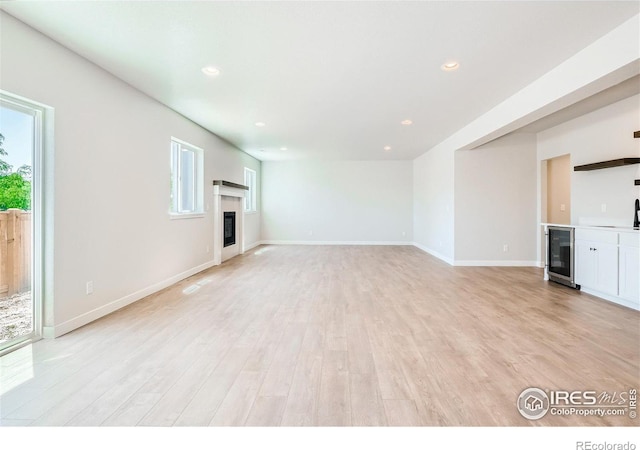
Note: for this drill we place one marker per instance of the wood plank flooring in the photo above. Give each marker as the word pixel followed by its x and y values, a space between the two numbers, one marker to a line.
pixel 331 336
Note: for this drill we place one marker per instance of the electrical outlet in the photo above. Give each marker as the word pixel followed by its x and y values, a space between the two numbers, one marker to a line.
pixel 89 287
pixel 310 233
pixel 207 249
pixel 603 207
pixel 562 207
pixel 404 233
pixel 505 248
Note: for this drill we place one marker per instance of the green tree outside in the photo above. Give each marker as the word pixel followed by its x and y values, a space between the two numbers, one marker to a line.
pixel 15 188
pixel 15 192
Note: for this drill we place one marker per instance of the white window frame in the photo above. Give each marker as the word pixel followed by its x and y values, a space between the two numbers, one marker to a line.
pixel 250 199
pixel 177 147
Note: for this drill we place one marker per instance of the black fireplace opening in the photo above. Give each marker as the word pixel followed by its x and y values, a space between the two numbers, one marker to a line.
pixel 229 228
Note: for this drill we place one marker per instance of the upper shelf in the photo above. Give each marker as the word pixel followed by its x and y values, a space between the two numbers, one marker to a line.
pixel 607 164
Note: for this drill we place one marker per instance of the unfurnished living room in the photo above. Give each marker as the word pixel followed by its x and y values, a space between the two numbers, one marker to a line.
pixel 320 214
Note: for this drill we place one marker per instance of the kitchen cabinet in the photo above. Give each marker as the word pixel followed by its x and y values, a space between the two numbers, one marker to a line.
pixel 629 268
pixel 597 266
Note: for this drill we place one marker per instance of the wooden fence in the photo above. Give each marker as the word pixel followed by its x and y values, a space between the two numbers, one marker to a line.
pixel 15 251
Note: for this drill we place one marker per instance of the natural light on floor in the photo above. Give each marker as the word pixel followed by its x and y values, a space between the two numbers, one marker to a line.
pixel 22 369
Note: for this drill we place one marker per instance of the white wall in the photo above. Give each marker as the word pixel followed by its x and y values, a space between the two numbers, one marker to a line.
pixel 340 201
pixel 433 207
pixel 495 202
pixel 111 180
pixel 602 135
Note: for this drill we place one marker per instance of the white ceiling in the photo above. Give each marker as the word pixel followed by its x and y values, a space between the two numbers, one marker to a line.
pixel 330 79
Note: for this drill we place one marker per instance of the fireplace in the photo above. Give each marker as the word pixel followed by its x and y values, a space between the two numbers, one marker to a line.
pixel 228 224
pixel 229 228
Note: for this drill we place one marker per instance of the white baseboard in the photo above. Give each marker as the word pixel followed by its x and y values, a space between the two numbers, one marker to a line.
pixel 252 245
pixel 276 242
pixel 433 253
pixel 83 319
pixel 611 298
pixel 488 263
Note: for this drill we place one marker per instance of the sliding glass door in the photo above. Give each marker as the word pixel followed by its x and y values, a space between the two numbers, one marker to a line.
pixel 20 142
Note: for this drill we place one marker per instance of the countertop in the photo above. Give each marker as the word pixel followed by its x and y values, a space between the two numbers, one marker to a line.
pixel 596 227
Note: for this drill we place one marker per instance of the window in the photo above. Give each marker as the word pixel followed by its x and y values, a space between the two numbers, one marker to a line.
pixel 186 179
pixel 250 204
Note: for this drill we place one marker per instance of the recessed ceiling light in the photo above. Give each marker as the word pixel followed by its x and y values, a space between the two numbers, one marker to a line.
pixel 284 149
pixel 452 65
pixel 406 122
pixel 387 148
pixel 260 124
pixel 211 71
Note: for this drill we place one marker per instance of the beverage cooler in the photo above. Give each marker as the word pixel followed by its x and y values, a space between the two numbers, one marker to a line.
pixel 560 255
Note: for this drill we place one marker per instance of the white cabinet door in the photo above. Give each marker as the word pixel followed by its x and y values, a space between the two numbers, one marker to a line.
pixel 629 278
pixel 585 264
pixel 597 266
pixel 606 268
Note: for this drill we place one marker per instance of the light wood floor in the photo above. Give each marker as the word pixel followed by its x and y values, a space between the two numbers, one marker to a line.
pixel 353 335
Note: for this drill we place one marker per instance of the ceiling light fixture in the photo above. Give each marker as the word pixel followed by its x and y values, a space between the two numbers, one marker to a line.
pixel 260 124
pixel 452 65
pixel 406 122
pixel 211 71
pixel 387 148
pixel 284 149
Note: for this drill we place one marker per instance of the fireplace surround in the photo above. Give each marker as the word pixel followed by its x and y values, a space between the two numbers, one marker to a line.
pixel 228 197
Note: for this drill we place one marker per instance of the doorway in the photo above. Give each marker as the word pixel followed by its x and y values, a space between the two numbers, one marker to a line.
pixel 559 190
pixel 20 252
